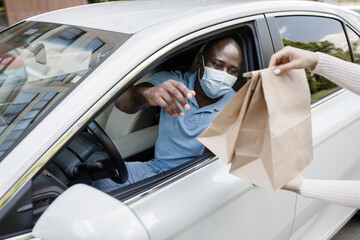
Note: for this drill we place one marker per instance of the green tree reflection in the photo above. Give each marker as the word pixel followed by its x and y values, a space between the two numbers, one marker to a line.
pixel 320 86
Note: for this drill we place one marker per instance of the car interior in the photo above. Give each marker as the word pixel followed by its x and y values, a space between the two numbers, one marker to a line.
pixel 100 149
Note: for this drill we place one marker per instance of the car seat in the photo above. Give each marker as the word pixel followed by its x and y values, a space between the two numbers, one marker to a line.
pixel 130 133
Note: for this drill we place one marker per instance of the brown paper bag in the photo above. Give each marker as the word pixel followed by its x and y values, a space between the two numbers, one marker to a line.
pixel 265 130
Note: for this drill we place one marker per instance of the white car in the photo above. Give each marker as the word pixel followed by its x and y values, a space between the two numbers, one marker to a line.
pixel 62 70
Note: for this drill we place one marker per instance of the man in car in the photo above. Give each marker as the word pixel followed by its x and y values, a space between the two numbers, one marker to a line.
pixel 188 102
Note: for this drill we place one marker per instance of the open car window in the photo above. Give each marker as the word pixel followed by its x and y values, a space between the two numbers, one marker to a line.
pixel 135 135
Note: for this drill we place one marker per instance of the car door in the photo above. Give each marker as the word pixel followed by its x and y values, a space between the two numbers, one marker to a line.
pixel 205 201
pixel 335 115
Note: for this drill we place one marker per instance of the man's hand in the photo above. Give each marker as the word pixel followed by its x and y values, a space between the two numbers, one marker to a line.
pixel 167 96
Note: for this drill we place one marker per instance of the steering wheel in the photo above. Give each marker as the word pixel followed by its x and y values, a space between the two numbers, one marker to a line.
pixel 121 175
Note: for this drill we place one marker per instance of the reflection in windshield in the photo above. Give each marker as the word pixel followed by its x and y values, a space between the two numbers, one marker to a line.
pixel 39 63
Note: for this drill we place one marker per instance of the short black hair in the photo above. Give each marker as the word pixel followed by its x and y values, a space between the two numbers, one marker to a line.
pixel 210 44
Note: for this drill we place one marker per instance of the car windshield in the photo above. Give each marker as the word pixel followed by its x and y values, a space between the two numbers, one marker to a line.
pixel 39 63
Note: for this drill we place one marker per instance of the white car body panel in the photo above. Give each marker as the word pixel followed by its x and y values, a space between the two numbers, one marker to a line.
pixel 226 195
pixel 342 114
pixel 133 17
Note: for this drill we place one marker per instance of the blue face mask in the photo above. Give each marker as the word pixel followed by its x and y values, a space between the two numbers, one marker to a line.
pixel 216 83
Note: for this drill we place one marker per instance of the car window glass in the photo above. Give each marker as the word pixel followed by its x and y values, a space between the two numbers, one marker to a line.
pixel 355 44
pixel 315 34
pixel 141 131
pixel 39 63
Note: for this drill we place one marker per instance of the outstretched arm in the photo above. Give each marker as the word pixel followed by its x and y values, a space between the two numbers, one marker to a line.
pixel 133 100
pixel 167 95
pixel 343 73
pixel 342 192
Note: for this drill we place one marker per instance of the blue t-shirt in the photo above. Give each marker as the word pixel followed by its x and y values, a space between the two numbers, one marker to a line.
pixel 177 141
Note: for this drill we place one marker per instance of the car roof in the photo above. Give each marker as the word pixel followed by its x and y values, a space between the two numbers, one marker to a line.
pixel 133 16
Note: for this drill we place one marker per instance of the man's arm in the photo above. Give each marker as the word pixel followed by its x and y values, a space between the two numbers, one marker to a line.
pixel 165 95
pixel 133 99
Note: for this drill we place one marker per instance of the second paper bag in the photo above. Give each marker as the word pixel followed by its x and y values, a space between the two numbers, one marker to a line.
pixel 265 130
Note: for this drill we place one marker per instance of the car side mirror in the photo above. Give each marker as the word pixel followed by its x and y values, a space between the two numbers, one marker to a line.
pixel 83 212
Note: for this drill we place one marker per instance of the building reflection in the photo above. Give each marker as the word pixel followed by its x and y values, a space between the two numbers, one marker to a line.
pixel 39 63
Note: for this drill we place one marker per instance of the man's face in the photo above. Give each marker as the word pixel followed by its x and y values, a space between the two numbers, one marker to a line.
pixel 224 56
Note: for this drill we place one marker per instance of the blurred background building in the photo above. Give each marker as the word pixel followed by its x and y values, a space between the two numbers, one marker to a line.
pixel 17 10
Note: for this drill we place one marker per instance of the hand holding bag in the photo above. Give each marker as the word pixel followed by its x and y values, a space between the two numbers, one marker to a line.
pixel 265 130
